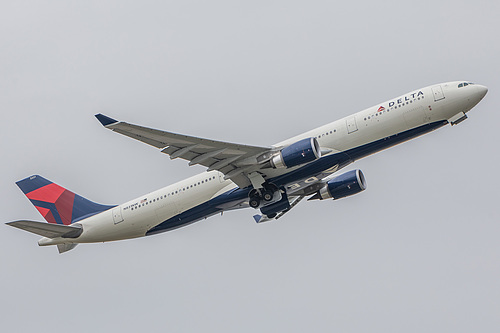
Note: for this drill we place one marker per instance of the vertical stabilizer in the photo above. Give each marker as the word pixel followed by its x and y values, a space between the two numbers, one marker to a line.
pixel 57 204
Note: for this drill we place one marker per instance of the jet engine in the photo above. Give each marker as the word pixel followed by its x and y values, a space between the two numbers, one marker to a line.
pixel 300 152
pixel 346 184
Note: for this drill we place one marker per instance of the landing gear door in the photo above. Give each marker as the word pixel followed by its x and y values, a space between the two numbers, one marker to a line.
pixel 117 215
pixel 437 92
pixel 351 125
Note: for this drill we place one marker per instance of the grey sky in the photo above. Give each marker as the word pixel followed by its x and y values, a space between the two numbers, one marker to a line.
pixel 418 251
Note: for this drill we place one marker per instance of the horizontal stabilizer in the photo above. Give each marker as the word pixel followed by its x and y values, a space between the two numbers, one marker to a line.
pixel 47 229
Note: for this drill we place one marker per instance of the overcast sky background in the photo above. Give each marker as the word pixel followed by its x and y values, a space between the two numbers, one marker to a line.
pixel 417 252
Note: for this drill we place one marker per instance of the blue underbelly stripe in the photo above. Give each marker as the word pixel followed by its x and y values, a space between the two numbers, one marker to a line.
pixel 342 159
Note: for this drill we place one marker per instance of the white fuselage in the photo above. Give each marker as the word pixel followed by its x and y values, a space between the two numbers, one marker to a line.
pixel 359 133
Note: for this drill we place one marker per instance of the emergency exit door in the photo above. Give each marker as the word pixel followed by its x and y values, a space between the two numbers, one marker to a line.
pixel 351 125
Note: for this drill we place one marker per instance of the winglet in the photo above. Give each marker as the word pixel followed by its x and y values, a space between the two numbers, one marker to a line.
pixel 105 120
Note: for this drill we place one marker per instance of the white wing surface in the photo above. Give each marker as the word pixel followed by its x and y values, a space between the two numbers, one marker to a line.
pixel 235 161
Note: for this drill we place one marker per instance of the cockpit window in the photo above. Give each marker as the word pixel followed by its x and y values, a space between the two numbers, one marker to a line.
pixel 465 84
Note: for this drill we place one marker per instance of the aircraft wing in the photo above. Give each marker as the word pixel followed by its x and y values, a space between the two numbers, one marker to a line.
pixel 235 161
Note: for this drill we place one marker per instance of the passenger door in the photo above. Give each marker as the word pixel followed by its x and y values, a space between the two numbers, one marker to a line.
pixel 351 125
pixel 437 92
pixel 117 215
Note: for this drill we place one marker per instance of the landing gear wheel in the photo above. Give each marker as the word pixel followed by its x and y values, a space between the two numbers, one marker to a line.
pixel 254 202
pixel 254 198
pixel 267 195
pixel 268 191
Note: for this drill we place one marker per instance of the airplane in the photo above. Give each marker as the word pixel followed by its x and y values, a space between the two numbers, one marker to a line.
pixel 271 180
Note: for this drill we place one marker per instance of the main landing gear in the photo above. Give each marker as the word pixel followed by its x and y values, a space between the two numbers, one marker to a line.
pixel 266 194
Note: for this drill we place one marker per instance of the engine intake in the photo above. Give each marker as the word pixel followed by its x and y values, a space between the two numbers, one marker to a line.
pixel 300 152
pixel 347 184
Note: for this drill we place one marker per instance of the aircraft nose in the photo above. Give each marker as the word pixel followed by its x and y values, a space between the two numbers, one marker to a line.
pixel 475 95
pixel 481 91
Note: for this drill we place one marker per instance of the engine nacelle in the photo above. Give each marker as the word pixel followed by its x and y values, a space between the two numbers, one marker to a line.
pixel 347 184
pixel 300 152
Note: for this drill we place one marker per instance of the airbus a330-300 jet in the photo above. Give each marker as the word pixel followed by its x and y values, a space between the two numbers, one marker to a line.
pixel 271 180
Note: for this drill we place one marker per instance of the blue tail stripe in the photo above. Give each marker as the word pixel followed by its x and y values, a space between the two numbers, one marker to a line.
pixel 83 208
pixel 32 183
pixel 50 206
